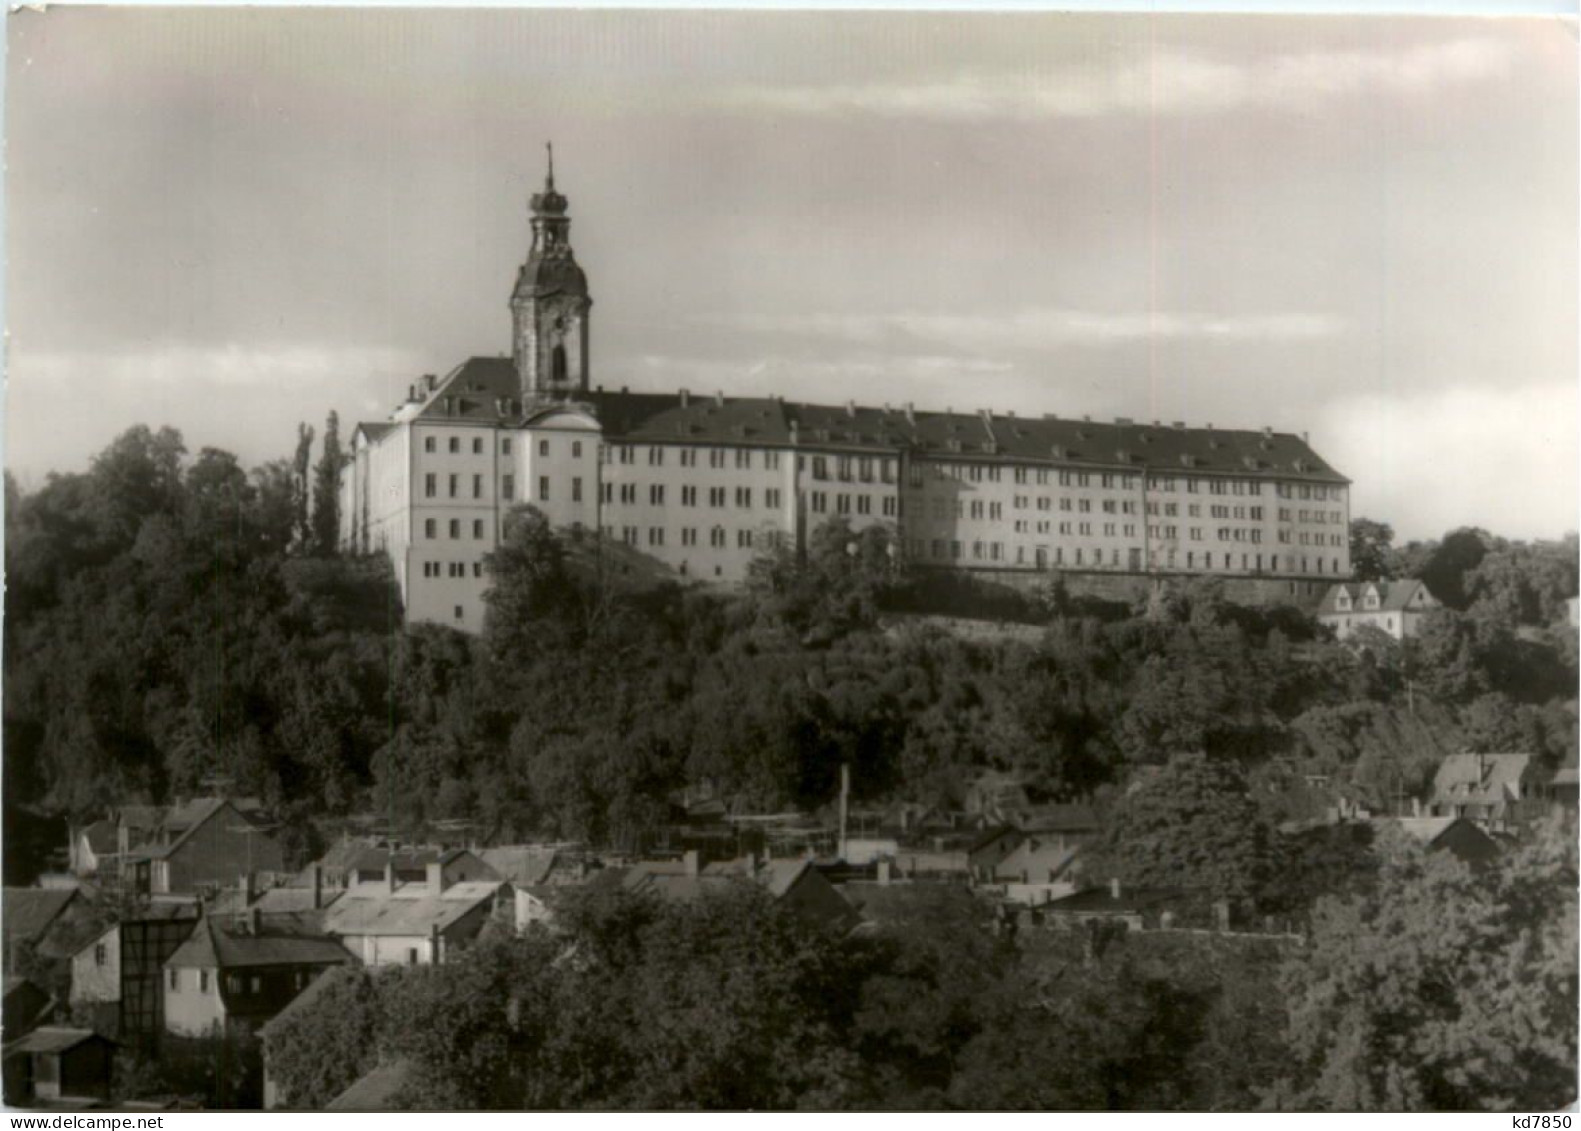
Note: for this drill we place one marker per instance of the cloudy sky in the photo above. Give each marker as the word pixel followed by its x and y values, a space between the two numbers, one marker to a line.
pixel 1364 229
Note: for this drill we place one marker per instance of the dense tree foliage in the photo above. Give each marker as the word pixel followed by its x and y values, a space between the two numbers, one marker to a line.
pixel 167 624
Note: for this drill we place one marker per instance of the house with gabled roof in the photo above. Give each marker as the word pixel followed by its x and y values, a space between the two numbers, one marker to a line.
pixel 1397 608
pixel 793 883
pixel 205 844
pixel 117 976
pixel 228 978
pixel 390 923
pixel 1498 792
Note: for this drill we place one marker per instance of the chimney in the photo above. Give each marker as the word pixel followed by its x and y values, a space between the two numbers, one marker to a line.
pixel 389 872
pixel 689 860
pixel 318 886
pixel 845 795
pixel 686 398
pixel 436 876
pixel 1114 888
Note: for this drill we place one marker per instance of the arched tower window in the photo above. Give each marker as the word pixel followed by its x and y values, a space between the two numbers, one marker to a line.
pixel 557 365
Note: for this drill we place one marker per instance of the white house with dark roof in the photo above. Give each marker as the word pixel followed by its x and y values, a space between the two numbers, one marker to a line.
pixel 229 978
pixel 390 923
pixel 703 483
pixel 1495 791
pixel 1394 607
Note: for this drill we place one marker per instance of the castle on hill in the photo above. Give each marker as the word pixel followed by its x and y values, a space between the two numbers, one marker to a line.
pixel 703 483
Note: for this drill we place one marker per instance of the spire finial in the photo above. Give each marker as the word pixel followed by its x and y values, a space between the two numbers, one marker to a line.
pixel 549 145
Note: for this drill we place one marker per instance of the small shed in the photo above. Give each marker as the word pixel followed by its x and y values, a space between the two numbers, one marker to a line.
pixel 54 1063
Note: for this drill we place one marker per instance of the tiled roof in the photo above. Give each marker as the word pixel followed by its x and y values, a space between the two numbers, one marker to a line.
pixel 53 1039
pixel 1481 777
pixel 375 1091
pixel 486 390
pixel 1393 596
pixel 28 912
pixel 217 947
pixel 411 909
pixel 522 865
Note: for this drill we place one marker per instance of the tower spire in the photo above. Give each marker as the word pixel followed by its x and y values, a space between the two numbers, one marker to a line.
pixel 549 181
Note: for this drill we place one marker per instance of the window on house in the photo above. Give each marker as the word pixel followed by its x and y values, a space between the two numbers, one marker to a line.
pixel 543 447
pixel 455 486
pixel 543 488
pixel 428 443
pixel 455 443
pixel 505 446
pixel 477 486
pixel 477 445
pixel 101 954
pixel 430 528
pixel 460 613
pixel 430 485
pixel 175 979
pixel 576 449
pixel 576 489
pixel 508 486
pixel 203 981
pixel 477 528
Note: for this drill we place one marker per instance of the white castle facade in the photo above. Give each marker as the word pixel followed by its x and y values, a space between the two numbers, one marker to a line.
pixel 704 483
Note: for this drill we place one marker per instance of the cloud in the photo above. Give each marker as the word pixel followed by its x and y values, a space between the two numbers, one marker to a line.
pixel 221 368
pixel 1427 462
pixel 1169 81
pixel 1039 328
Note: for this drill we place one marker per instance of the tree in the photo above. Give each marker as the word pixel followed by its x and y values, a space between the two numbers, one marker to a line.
pixel 531 592
pixel 326 490
pixel 1441 989
pixel 320 1048
pixel 1192 826
pixel 1371 547
pixel 302 536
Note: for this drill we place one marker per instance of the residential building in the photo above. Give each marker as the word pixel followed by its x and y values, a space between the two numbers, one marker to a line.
pixel 1455 835
pixel 51 923
pixel 58 1064
pixel 226 979
pixel 1398 608
pixel 26 1006
pixel 389 923
pixel 702 484
pixel 792 883
pixel 1497 792
pixel 117 976
pixel 203 845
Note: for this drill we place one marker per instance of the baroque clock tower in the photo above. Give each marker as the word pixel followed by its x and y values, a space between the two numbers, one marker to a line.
pixel 550 305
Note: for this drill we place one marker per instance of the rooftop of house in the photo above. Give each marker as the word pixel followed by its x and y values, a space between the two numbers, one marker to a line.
pixel 523 865
pixel 215 945
pixel 1393 596
pixel 375 1090
pixel 53 1039
pixel 1482 777
pixel 26 913
pixel 485 390
pixel 410 909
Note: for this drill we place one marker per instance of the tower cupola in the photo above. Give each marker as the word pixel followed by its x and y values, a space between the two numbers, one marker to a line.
pixel 550 304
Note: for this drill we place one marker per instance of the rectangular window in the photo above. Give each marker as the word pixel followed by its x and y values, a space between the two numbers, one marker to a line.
pixel 771 498
pixel 508 486
pixel 175 979
pixel 455 444
pixel 743 494
pixel 656 492
pixel 430 528
pixel 477 528
pixel 771 461
pixel 576 449
pixel 455 486
pixel 655 535
pixel 477 445
pixel 505 446
pixel 543 447
pixel 744 539
pixel 576 489
pixel 203 981
pixel 543 488
pixel 428 443
pixel 477 486
pixel 430 485
pixel 455 528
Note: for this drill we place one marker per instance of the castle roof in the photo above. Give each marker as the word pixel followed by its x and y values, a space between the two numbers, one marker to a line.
pixel 487 390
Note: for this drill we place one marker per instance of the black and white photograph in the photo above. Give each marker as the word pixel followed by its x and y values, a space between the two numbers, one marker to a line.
pixel 689 560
